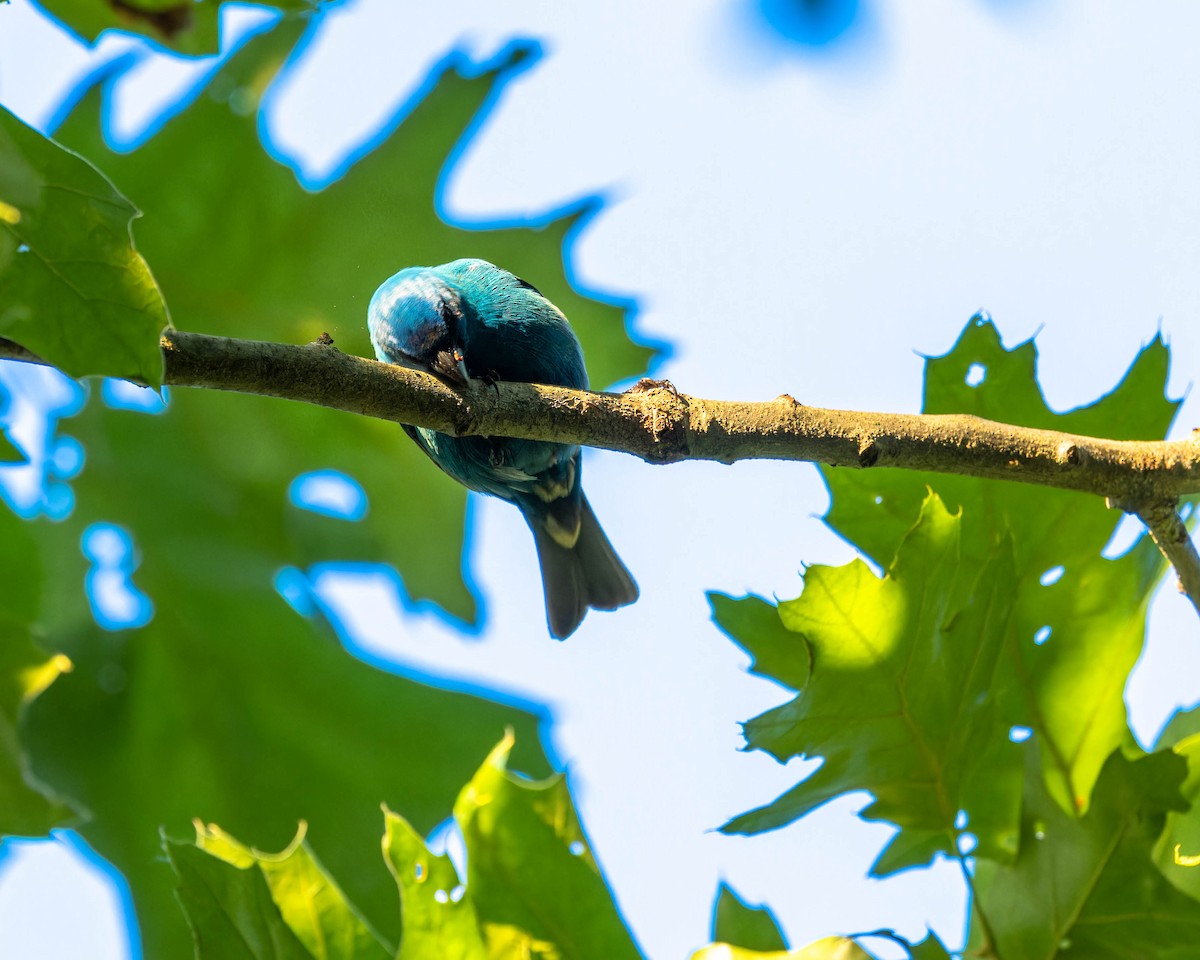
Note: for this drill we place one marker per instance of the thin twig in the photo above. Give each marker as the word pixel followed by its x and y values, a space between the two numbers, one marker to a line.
pixel 1162 519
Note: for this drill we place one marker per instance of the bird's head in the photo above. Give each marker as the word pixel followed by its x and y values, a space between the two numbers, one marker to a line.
pixel 415 319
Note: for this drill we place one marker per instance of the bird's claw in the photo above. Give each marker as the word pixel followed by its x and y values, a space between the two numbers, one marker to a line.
pixel 646 384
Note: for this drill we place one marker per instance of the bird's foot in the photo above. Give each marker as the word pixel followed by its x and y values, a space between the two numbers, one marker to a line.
pixel 646 384
pixel 490 379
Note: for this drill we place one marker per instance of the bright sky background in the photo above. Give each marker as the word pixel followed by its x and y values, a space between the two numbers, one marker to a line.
pixel 793 217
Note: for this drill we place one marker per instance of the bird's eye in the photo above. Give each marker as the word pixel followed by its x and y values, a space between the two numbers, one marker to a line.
pixel 427 338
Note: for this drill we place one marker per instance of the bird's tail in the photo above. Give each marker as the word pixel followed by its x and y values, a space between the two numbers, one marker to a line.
pixel 590 574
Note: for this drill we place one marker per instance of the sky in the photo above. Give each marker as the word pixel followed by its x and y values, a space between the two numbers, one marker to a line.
pixel 795 208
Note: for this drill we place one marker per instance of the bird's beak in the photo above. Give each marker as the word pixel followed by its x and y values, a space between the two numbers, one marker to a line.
pixel 451 366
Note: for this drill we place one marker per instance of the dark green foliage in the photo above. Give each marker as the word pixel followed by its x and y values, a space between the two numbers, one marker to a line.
pixel 229 706
pixel 736 923
pixel 72 287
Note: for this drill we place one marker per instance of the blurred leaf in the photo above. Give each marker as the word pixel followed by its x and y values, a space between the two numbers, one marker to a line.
pixel 72 288
pixel 1072 684
pixel 9 453
pixel 900 699
pixel 305 898
pixel 230 911
pixel 1088 887
pixel 245 251
pixel 753 928
pixel 827 948
pixel 1179 843
pixel 25 672
pixel 436 925
pixel 530 871
pixel 231 708
pixel 1182 724
pixel 528 892
pixel 227 706
pixel 931 948
pixel 21 570
pixel 186 26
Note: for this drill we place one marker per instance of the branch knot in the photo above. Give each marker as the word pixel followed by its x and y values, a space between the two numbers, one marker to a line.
pixel 868 452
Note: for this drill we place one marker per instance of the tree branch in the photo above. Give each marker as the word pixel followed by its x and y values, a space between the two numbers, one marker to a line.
pixel 659 425
pixel 1172 538
pixel 662 426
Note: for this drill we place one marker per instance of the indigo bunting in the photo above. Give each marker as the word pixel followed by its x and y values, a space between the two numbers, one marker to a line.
pixel 469 320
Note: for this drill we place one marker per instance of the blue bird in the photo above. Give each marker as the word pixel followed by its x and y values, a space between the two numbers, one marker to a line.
pixel 470 320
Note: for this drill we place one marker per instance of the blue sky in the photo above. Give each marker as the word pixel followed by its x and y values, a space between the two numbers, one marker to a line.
pixel 795 210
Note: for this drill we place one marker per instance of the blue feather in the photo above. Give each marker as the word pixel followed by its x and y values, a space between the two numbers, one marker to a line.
pixel 470 320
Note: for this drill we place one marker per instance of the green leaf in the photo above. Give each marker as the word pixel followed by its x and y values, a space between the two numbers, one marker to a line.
pixel 1088 887
pixel 530 872
pixel 9 452
pixel 753 928
pixel 530 890
pixel 241 249
pixel 25 672
pixel 72 288
pixel 437 925
pixel 1072 685
pixel 21 569
pixel 901 698
pixel 308 900
pixel 828 948
pixel 778 654
pixel 1007 617
pixel 230 910
pixel 228 706
pixel 186 26
pixel 1178 847
pixel 231 708
pixel 1177 851
pixel 931 948
pixel 1182 724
